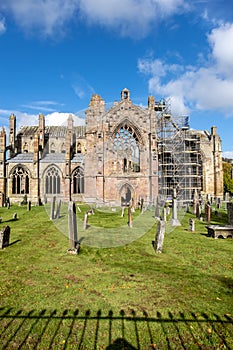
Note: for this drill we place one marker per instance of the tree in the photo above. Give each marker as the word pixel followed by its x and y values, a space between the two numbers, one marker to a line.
pixel 227 177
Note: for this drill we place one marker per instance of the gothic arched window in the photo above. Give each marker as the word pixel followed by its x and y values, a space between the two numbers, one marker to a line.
pixel 52 181
pixel 126 149
pixel 20 181
pixel 52 148
pixel 78 180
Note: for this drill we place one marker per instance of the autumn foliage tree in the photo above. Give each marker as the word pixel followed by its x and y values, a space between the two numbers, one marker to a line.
pixel 227 177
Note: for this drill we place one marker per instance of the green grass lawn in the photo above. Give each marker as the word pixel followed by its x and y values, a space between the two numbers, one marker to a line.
pixel 122 297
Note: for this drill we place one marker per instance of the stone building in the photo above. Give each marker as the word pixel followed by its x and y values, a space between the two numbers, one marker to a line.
pixel 116 157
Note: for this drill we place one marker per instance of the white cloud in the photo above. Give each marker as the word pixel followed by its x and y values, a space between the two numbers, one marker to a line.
pixel 130 18
pixel 2 26
pixel 57 118
pixel 43 106
pixel 228 154
pixel 221 41
pixel 51 119
pixel 48 16
pixel 209 87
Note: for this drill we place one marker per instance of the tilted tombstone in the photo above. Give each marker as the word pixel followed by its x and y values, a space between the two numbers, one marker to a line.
pixel 52 210
pixel 159 238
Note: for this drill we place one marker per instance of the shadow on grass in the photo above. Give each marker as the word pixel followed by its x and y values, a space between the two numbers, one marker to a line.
pixel 72 330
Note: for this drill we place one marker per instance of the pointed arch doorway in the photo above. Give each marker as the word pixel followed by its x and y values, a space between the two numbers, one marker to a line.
pixel 126 194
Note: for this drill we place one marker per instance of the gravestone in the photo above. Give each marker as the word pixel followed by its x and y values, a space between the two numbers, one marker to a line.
pixel 174 220
pixel 57 215
pixel 130 217
pixel 191 225
pixel 164 214
pixel 230 213
pixel 198 212
pixel 141 204
pixel 85 222
pixel 195 202
pixel 157 211
pixel 29 204
pixel 207 212
pixel 52 210
pixel 159 238
pixel 72 227
pixel 5 237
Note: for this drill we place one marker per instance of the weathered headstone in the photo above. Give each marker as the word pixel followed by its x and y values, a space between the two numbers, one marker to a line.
pixel 164 214
pixel 52 210
pixel 227 197
pixel 57 215
pixel 141 204
pixel 72 226
pixel 195 202
pixel 157 209
pixel 85 222
pixel 230 213
pixel 207 212
pixel 29 205
pixel 198 212
pixel 191 225
pixel 159 238
pixel 130 217
pixel 5 237
pixel 174 220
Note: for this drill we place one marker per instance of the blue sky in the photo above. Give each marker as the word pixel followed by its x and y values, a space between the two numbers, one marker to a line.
pixel 54 54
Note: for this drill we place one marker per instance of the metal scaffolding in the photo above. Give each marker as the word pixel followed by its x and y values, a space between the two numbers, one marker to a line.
pixel 179 156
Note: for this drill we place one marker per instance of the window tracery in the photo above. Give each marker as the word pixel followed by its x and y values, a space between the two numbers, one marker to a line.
pixel 52 181
pixel 20 181
pixel 126 150
pixel 78 180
